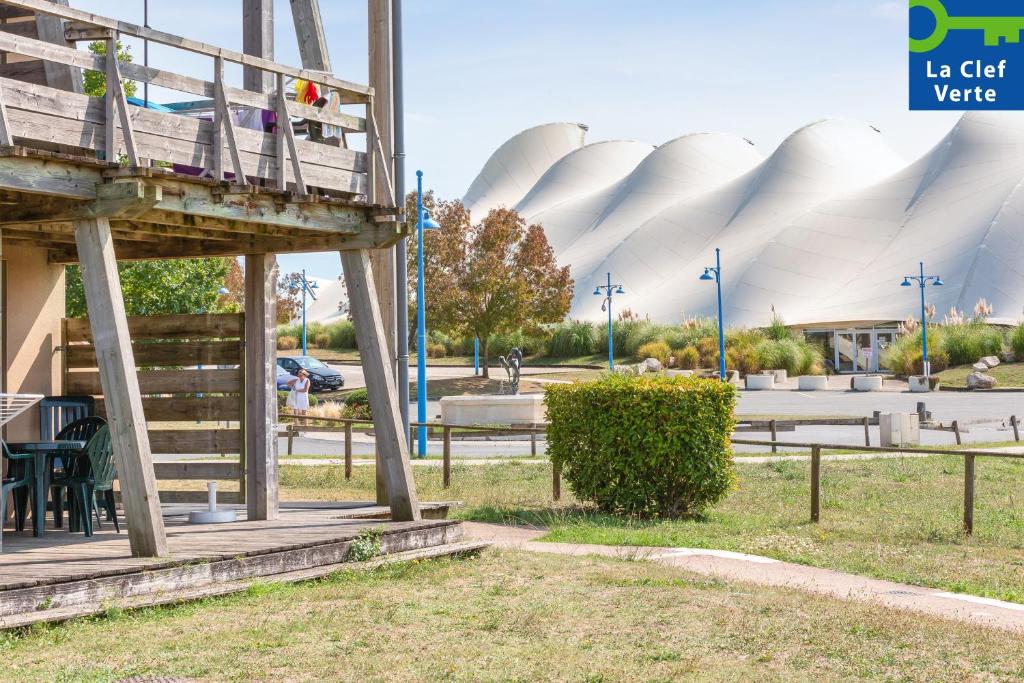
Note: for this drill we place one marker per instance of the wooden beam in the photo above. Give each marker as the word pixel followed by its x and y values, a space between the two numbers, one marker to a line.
pixel 285 133
pixel 380 384
pixel 258 41
pixel 381 132
pixel 50 29
pixel 309 30
pixel 223 125
pixel 261 386
pixel 116 362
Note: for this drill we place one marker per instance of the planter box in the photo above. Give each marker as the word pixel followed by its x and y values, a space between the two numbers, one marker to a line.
pixel 812 383
pixel 760 382
pixel 919 384
pixel 867 383
pixel 525 409
pixel 780 375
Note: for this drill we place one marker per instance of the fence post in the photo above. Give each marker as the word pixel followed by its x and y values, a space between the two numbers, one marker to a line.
pixel 775 435
pixel 969 493
pixel 956 431
pixel 291 437
pixel 533 444
pixel 556 481
pixel 412 438
pixel 867 432
pixel 815 483
pixel 1016 427
pixel 447 463
pixel 348 450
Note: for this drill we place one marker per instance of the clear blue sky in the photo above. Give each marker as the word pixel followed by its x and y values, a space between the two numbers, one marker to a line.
pixel 479 71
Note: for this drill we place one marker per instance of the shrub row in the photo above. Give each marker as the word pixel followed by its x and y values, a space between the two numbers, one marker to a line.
pixel 339 335
pixel 949 345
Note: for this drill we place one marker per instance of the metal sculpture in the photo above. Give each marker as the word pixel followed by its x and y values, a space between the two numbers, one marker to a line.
pixel 512 364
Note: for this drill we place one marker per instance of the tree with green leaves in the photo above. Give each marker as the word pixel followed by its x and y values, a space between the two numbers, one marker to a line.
pixel 496 276
pixel 95 82
pixel 159 287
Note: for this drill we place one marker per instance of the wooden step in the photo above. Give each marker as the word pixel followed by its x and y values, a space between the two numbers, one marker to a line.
pixel 458 549
pixel 192 580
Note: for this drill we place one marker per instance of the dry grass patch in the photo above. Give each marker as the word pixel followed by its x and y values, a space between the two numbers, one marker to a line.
pixel 514 616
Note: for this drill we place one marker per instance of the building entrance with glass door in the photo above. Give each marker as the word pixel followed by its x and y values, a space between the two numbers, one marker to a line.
pixel 854 350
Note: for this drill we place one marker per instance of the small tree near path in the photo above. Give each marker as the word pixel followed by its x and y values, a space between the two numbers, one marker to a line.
pixel 491 277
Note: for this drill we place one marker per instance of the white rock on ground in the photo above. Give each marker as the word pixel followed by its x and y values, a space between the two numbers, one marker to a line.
pixel 990 361
pixel 978 380
pixel 980 367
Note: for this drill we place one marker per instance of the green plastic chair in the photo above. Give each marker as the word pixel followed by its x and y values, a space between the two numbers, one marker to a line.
pixel 92 473
pixel 19 482
pixel 81 429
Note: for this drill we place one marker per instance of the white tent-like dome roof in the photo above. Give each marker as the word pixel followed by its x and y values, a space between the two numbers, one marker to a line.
pixel 823 230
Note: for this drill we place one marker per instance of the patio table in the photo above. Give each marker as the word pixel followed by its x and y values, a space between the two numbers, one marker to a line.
pixel 41 452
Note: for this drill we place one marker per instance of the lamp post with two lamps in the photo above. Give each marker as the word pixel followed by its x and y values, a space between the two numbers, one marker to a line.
pixel 306 287
pixel 715 273
pixel 609 290
pixel 923 281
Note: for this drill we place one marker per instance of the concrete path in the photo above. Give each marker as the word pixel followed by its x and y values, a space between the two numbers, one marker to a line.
pixel 731 566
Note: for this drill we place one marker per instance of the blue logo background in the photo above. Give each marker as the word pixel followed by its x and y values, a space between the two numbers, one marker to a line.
pixel 962 46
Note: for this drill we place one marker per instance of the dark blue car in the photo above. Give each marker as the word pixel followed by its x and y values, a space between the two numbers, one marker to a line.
pixel 283 377
pixel 321 376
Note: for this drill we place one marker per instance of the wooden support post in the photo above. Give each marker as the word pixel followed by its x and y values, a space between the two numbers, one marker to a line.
pixel 380 481
pixel 773 426
pixel 1016 427
pixel 291 438
pixel 224 128
pixel 258 40
pixel 412 439
pixel 116 95
pixel 380 385
pixel 261 498
pixel 815 483
pixel 6 137
pixel 447 464
pixel 120 384
pixel 956 432
pixel 60 76
pixel 968 493
pixel 348 451
pixel 285 131
pixel 556 481
pixel 533 443
pixel 380 131
pixel 867 432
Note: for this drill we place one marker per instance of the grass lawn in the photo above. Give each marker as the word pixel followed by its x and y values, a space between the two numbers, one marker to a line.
pixel 1005 374
pixel 513 616
pixel 891 519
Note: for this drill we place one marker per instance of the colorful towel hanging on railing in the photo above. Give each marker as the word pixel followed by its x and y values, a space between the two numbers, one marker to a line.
pixel 306 92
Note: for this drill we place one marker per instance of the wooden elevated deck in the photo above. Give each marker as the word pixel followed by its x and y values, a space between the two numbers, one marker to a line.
pixel 64 575
pixel 195 175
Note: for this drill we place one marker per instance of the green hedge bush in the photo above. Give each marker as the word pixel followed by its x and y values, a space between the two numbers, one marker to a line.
pixel 650 446
pixel 1017 342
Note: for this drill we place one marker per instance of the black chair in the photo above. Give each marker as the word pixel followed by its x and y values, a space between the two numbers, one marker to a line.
pixel 57 412
pixel 82 429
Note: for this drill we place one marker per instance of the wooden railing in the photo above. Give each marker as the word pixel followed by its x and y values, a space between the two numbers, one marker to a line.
pixel 347 424
pixel 139 135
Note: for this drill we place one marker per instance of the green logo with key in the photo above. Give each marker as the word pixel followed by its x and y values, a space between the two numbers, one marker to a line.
pixel 966 55
pixel 996 29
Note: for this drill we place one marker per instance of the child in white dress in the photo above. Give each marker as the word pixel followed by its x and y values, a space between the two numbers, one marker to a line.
pixel 298 398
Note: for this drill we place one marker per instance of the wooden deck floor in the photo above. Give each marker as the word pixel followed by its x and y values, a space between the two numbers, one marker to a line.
pixel 62 557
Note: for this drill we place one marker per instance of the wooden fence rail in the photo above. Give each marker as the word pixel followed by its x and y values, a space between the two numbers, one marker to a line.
pixel 347 424
pixel 816 449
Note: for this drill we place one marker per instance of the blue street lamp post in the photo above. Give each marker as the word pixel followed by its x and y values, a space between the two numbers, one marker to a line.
pixel 476 356
pixel 609 291
pixel 715 273
pixel 423 222
pixel 923 281
pixel 306 287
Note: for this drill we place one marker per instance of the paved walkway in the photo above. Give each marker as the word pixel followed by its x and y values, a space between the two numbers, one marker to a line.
pixel 765 571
